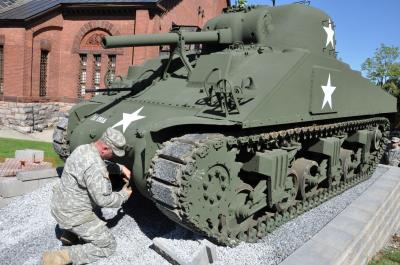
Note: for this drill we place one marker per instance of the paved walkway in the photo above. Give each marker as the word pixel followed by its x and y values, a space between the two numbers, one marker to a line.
pixel 45 135
pixel 360 230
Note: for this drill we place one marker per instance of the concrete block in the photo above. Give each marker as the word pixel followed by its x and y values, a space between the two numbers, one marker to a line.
pixel 348 225
pixel 392 176
pixel 211 250
pixel 393 171
pixel 24 155
pixel 382 168
pixel 319 248
pixel 11 186
pixel 359 231
pixel 378 194
pixel 357 214
pixel 354 254
pixel 5 201
pixel 30 155
pixel 167 252
pixel 37 174
pixel 334 237
pixel 38 155
pixel 387 183
pixel 205 255
pixel 377 231
pixel 375 228
pixel 370 251
pixel 361 260
pixel 367 205
pixel 306 257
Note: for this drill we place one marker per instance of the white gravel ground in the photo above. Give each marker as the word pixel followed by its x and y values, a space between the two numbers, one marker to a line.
pixel 27 229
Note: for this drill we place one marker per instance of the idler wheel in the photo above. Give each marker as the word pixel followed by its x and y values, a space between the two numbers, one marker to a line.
pixel 376 140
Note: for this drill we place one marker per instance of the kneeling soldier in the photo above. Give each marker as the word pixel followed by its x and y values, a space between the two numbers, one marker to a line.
pixel 85 187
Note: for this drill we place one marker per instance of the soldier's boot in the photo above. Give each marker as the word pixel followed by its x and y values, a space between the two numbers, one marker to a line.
pixel 59 257
pixel 68 238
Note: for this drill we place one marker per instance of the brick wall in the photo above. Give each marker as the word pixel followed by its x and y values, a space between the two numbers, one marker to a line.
pixel 14 61
pixel 62 36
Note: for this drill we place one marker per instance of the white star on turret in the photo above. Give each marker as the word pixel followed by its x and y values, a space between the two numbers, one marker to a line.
pixel 330 33
pixel 328 91
pixel 127 119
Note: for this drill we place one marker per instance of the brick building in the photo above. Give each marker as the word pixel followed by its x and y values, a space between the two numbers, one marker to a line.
pixel 50 51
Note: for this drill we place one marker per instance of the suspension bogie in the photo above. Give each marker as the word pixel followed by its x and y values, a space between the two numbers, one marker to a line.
pixel 238 188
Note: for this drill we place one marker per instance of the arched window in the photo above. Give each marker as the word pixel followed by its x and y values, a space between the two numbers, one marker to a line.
pixel 101 72
pixel 97 66
pixel 92 40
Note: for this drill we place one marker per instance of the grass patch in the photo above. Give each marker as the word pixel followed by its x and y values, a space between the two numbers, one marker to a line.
pixel 8 147
pixel 389 256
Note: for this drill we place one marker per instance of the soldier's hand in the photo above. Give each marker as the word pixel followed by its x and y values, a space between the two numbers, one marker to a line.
pixel 127 188
pixel 126 173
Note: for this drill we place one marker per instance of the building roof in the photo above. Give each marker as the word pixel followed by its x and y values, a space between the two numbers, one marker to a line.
pixel 6 5
pixel 25 9
pixel 22 10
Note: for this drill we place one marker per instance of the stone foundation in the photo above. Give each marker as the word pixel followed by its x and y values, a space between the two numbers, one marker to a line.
pixel 30 117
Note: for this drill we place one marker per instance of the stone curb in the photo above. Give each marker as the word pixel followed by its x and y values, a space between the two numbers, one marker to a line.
pixel 206 253
pixel 37 174
pixel 5 201
pixel 11 186
pixel 360 230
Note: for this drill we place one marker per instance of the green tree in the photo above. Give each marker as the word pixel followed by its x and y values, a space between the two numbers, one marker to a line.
pixel 241 3
pixel 384 68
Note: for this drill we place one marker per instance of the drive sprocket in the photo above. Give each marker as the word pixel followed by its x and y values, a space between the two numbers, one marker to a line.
pixel 210 192
pixel 198 180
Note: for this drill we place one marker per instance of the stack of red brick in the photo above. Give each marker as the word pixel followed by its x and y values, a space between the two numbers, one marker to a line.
pixel 25 160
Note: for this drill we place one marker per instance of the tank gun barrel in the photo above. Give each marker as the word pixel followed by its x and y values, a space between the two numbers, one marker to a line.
pixel 99 90
pixel 221 36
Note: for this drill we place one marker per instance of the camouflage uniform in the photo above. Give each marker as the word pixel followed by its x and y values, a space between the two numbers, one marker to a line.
pixel 85 186
pixel 393 157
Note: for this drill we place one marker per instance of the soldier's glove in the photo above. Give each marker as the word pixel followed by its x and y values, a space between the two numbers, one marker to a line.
pixel 127 187
pixel 125 172
pixel 127 184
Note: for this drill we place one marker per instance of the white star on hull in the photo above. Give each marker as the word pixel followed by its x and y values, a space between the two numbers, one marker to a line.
pixel 330 33
pixel 328 91
pixel 127 119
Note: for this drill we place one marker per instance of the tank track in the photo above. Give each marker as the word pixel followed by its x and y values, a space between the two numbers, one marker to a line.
pixel 60 139
pixel 184 192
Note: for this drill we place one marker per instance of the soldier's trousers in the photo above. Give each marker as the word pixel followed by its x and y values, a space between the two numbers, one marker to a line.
pixel 100 243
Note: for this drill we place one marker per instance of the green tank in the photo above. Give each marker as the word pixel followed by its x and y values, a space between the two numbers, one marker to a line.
pixel 262 125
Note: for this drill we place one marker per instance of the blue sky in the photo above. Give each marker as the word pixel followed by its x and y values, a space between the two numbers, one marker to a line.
pixel 361 25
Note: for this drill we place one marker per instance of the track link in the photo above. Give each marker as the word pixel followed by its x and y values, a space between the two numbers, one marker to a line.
pixel 177 178
pixel 60 139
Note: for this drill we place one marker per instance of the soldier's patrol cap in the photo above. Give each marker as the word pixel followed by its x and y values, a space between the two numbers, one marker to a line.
pixel 114 139
pixel 395 139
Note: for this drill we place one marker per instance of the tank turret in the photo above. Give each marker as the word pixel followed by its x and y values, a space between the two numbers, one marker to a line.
pixel 291 26
pixel 248 26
